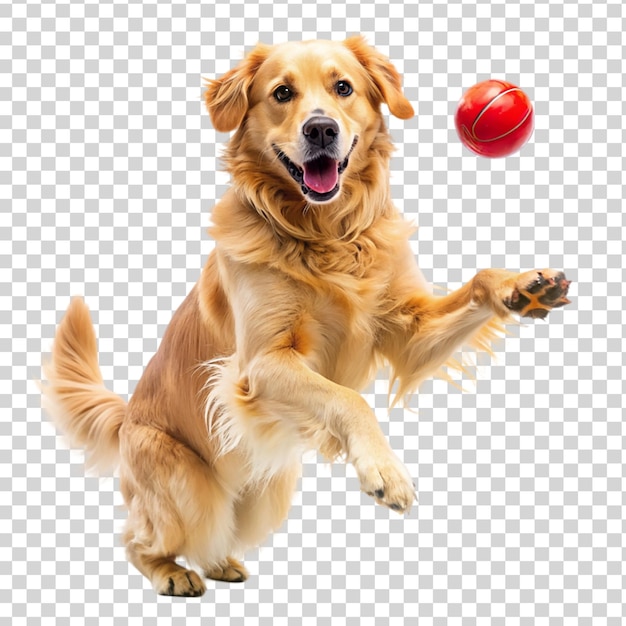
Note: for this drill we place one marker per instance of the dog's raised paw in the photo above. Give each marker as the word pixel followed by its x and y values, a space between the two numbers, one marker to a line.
pixel 537 292
pixel 388 482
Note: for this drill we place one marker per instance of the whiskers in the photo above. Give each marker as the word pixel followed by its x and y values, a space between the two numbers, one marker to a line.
pixel 269 153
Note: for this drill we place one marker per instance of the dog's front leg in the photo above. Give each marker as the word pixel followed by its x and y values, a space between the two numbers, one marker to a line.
pixel 277 399
pixel 427 330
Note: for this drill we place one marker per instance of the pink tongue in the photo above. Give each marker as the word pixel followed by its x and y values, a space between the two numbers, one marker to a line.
pixel 321 175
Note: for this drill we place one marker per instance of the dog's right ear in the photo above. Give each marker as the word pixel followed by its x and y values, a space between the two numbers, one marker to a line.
pixel 226 98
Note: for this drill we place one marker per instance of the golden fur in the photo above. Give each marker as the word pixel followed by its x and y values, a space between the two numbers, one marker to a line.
pixel 296 308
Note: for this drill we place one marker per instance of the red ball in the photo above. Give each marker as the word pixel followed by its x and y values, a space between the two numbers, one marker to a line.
pixel 494 118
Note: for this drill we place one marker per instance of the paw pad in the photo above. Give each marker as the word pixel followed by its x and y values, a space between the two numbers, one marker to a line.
pixel 536 295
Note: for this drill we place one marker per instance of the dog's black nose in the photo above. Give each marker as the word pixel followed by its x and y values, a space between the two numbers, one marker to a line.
pixel 320 131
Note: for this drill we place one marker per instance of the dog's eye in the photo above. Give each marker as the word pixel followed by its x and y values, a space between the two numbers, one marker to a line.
pixel 283 94
pixel 343 88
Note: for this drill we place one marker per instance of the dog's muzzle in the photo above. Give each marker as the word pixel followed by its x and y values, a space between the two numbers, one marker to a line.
pixel 319 175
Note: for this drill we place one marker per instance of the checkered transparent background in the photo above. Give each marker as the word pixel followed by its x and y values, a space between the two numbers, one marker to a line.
pixel 109 169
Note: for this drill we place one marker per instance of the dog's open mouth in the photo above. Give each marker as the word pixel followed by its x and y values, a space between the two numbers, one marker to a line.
pixel 319 177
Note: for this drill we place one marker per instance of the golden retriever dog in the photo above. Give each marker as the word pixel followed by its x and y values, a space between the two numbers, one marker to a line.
pixel 310 289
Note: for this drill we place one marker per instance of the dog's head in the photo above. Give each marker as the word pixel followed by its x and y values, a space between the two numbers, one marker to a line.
pixel 307 112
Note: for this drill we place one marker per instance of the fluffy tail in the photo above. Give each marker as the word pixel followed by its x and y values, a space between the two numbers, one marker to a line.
pixel 81 407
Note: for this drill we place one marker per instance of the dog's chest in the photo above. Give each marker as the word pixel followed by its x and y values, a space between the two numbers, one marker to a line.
pixel 345 321
pixel 345 347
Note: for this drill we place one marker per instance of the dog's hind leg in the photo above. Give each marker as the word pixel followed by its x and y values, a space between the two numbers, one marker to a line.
pixel 229 571
pixel 260 510
pixel 177 508
pixel 167 577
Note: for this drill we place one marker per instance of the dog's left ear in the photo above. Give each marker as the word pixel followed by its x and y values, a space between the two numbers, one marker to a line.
pixel 226 98
pixel 385 77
